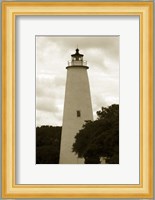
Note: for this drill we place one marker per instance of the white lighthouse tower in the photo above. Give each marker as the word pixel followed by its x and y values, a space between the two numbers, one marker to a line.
pixel 77 106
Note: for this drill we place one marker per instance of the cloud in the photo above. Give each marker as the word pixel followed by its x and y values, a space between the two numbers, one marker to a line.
pixel 46 104
pixel 48 118
pixel 49 85
pixel 49 96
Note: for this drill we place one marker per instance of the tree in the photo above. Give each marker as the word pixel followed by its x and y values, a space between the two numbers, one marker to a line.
pixel 48 144
pixel 99 138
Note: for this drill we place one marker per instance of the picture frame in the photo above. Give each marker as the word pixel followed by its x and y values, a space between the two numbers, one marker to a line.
pixel 10 10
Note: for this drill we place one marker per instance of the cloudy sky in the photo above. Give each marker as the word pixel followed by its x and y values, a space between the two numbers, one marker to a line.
pixel 52 55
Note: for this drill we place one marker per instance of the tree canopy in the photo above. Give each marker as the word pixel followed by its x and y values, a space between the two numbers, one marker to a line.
pixel 100 138
pixel 48 144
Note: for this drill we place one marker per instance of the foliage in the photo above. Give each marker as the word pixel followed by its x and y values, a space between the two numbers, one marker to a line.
pixel 48 144
pixel 100 138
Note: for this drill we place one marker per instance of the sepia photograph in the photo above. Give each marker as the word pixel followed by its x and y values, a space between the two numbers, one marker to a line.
pixel 77 99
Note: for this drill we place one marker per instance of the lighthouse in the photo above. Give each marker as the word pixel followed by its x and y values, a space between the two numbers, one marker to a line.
pixel 77 107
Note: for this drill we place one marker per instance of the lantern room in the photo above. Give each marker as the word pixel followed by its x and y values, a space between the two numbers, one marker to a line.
pixel 77 59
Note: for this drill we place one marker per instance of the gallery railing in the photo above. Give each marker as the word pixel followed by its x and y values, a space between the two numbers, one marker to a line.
pixel 77 63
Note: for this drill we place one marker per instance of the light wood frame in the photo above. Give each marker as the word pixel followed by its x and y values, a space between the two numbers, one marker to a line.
pixel 145 12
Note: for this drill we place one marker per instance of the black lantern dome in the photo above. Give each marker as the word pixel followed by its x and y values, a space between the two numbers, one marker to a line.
pixel 77 60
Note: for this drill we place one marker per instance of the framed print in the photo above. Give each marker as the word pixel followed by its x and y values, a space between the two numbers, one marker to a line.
pixel 77 99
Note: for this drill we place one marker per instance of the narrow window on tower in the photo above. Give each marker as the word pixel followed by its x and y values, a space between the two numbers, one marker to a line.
pixel 78 113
